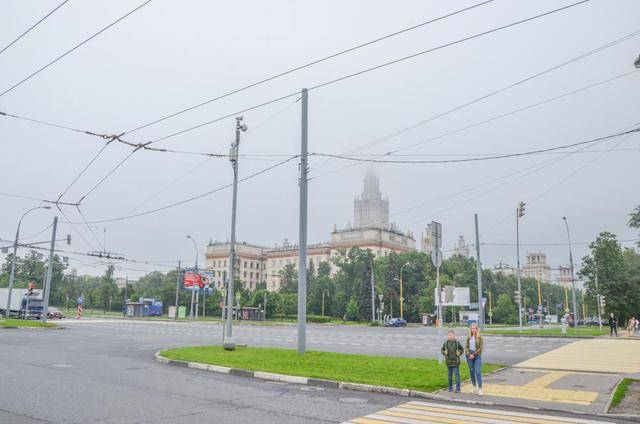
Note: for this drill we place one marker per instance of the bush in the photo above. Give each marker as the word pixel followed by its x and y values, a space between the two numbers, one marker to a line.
pixel 375 324
pixel 293 317
pixel 278 316
pixel 318 319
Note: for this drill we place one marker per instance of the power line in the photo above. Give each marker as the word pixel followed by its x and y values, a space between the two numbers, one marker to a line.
pixel 478 159
pixel 100 244
pixel 93 159
pixel 36 72
pixel 37 199
pixel 190 199
pixel 103 179
pixel 550 244
pixel 466 127
pixel 493 93
pixel 306 65
pixel 33 26
pixel 146 145
pixel 370 69
pixel 559 182
pixel 535 169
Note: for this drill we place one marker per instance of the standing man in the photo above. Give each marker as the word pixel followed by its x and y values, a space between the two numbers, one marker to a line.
pixel 613 325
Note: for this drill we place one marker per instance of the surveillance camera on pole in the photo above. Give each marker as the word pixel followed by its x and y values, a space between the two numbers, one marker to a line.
pixel 228 342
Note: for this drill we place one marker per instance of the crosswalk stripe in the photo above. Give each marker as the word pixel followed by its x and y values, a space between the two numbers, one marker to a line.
pixel 418 412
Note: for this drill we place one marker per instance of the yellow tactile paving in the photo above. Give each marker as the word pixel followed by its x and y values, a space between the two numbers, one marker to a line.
pixel 537 390
pixel 593 355
pixel 425 412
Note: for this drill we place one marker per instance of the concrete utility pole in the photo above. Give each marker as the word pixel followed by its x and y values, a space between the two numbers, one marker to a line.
pixel 599 300
pixel 45 306
pixel 573 282
pixel 479 271
pixel 302 251
pixel 177 289
pixel 519 214
pixel 227 342
pixel 12 273
pixel 373 292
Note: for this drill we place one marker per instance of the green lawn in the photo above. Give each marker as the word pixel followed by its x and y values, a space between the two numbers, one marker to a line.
pixel 574 332
pixel 25 323
pixel 403 373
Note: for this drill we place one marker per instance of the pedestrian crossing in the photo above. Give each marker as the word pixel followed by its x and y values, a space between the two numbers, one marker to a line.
pixel 425 412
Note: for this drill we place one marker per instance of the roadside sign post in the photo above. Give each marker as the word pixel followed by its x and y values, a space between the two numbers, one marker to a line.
pixel 436 259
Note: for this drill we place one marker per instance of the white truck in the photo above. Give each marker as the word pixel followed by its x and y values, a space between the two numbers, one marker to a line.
pixel 16 300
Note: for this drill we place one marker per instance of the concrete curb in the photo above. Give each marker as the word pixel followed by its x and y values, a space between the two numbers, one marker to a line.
pixel 316 382
pixel 330 384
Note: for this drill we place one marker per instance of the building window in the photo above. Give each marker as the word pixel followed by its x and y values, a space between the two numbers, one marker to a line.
pixel 225 264
pixel 245 274
pixel 251 275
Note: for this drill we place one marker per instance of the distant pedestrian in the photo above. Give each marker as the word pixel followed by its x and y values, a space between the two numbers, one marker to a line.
pixel 344 318
pixel 613 325
pixel 631 327
pixel 637 328
pixel 474 358
pixel 452 351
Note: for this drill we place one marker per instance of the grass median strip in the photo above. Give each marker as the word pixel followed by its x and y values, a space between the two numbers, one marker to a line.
pixel 401 373
pixel 551 332
pixel 25 323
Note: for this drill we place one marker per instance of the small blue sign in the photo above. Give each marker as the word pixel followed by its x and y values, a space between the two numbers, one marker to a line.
pixel 80 300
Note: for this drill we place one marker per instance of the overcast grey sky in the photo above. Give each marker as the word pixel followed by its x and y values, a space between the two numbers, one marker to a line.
pixel 170 55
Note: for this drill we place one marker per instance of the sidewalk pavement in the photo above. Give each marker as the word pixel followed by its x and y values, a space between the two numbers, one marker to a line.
pixel 578 377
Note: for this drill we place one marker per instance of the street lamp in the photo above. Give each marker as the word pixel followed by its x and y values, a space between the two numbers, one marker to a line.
pixel 373 292
pixel 573 282
pixel 195 279
pixel 401 297
pixel 12 273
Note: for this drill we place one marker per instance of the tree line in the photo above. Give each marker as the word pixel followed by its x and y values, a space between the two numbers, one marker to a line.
pixel 347 291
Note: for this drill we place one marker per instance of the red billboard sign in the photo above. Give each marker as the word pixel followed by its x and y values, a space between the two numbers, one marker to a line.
pixel 191 278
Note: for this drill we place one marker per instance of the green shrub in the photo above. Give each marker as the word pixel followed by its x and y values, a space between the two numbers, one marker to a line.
pixel 318 319
pixel 278 316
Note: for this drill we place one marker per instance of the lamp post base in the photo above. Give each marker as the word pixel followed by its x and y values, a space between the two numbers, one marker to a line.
pixel 228 344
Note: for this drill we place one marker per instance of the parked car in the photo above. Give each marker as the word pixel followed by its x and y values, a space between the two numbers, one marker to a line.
pixel 396 322
pixel 54 313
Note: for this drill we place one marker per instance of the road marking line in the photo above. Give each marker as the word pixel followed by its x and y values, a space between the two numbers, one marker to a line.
pixel 418 412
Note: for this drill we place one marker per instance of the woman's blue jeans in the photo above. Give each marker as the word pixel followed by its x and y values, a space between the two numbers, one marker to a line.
pixel 475 370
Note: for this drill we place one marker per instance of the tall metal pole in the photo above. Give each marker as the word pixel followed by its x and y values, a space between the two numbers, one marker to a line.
pixel 47 290
pixel 12 273
pixel 302 251
pixel 439 310
pixel 195 279
pixel 573 282
pixel 518 270
pixel 228 342
pixel 126 287
pixel 177 289
pixel 599 301
pixel 479 271
pixel 373 292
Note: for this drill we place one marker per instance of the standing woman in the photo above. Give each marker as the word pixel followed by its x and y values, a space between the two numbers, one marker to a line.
pixel 474 357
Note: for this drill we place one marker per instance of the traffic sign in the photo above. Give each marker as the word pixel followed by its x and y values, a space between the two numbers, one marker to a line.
pixel 436 235
pixel 436 257
pixel 80 300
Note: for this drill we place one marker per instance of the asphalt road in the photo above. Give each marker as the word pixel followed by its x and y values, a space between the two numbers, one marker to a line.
pixel 410 342
pixel 106 372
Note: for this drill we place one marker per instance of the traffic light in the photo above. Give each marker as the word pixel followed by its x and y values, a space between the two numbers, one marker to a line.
pixel 520 209
pixel 68 238
pixel 517 297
